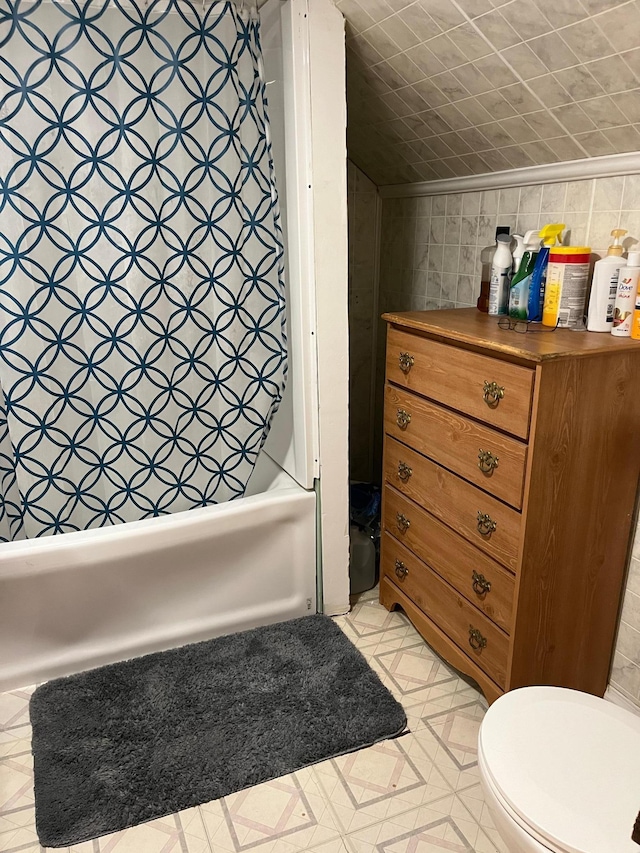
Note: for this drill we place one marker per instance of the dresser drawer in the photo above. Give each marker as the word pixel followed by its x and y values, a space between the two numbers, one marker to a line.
pixel 480 579
pixel 484 521
pixel 482 455
pixel 476 635
pixel 462 380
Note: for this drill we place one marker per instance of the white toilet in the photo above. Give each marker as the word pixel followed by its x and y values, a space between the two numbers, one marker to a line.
pixel 560 771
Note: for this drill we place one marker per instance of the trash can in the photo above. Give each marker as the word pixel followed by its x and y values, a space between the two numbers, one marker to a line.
pixel 364 533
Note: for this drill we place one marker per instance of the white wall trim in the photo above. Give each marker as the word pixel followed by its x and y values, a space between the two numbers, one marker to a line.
pixel 329 189
pixel 553 173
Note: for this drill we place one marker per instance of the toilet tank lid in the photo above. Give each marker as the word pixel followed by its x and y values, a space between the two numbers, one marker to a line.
pixel 568 764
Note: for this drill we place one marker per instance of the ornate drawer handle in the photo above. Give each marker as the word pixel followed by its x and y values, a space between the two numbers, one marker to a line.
pixel 487 462
pixel 406 361
pixel 403 418
pixel 401 570
pixel 404 471
pixel 486 525
pixel 402 522
pixel 476 640
pixel 492 393
pixel 480 584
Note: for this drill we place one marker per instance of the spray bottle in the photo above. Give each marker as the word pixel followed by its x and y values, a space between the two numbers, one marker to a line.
pixel 549 234
pixel 500 275
pixel 518 252
pixel 519 292
pixel 604 285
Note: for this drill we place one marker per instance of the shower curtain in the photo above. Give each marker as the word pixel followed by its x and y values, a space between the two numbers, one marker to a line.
pixel 142 323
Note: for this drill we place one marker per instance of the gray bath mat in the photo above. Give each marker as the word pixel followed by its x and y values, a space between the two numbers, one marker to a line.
pixel 133 741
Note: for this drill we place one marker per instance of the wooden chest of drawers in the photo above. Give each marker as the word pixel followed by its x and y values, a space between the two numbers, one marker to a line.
pixel 511 466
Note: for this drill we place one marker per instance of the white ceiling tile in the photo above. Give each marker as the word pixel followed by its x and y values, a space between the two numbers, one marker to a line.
pixel 579 83
pixel 587 40
pixel 444 12
pixel 450 86
pixel 524 17
pixel 524 61
pixel 573 118
pixel 472 78
pixel 562 12
pixel 594 143
pixel 404 66
pixel 425 60
pixel 613 74
pixel 397 30
pixel 621 25
pixel 496 70
pixel 496 104
pixel 553 52
pixel 603 112
pixel 381 41
pixel 623 139
pixel 497 30
pixel 519 130
pixel 469 42
pixel 443 87
pixel 445 50
pixel 419 22
pixel 549 90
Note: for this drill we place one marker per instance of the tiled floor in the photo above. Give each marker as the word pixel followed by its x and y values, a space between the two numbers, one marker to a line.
pixel 416 794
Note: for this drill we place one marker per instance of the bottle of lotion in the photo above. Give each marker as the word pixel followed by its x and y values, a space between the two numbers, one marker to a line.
pixel 604 286
pixel 486 256
pixel 500 275
pixel 626 320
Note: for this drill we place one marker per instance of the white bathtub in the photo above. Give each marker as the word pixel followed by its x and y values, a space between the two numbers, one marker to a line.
pixel 79 600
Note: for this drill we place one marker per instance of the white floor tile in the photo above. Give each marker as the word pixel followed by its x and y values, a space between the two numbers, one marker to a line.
pixel 419 792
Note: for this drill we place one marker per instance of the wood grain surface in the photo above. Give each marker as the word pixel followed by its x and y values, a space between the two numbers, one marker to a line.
pixel 455 441
pixel 452 557
pixel 456 377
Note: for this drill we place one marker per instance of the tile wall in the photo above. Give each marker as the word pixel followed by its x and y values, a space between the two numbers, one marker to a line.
pixel 363 203
pixel 438 88
pixel 429 260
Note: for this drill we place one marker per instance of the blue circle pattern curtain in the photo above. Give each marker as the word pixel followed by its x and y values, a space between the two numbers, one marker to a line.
pixel 142 321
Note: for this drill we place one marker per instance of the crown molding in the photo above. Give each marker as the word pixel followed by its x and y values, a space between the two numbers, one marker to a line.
pixel 554 173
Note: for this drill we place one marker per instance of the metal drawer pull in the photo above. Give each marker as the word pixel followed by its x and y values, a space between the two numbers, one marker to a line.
pixel 486 525
pixel 404 471
pixel 401 570
pixel 403 522
pixel 403 418
pixel 476 640
pixel 492 393
pixel 406 361
pixel 480 584
pixel 487 462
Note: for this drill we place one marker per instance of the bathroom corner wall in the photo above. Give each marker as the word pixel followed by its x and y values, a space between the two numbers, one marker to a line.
pixel 429 259
pixel 363 209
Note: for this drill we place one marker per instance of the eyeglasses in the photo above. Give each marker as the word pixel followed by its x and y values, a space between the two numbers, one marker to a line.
pixel 511 324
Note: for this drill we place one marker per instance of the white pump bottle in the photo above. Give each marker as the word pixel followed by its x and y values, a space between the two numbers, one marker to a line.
pixel 604 285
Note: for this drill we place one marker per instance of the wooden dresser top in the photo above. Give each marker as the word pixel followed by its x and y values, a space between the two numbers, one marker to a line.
pixel 468 326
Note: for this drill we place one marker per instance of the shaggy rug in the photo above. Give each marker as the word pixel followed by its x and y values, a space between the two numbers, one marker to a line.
pixel 133 741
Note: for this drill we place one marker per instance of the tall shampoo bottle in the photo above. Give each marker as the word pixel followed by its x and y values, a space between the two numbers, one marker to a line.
pixel 604 286
pixel 632 273
pixel 626 297
pixel 500 275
